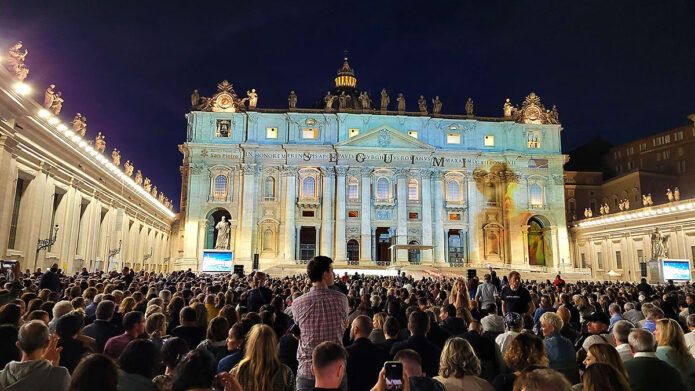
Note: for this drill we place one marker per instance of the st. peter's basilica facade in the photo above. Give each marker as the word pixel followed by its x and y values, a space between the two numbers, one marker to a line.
pixel 371 186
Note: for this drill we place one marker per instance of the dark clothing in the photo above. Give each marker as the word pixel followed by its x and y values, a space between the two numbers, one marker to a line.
pixel 257 298
pixel 646 288
pixel 650 373
pixel 438 335
pixel 505 381
pixel 50 281
pixel 422 383
pixel 287 350
pixel 388 344
pixel 454 326
pixel 570 333
pixel 127 278
pixel 282 323
pixel 101 331
pixel 191 334
pixel 429 353
pixel 574 313
pixel 229 362
pixel 516 300
pixel 485 351
pixel 72 353
pixel 364 363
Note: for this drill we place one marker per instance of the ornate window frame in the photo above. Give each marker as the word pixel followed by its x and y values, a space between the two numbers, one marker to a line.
pixel 413 182
pixel 214 172
pixel 272 226
pixel 459 187
pixel 304 175
pixel 378 193
pixel 355 183
pixel 533 139
pixel 541 182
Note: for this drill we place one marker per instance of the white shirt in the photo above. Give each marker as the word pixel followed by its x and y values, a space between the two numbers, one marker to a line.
pixel 690 341
pixel 503 340
pixel 624 351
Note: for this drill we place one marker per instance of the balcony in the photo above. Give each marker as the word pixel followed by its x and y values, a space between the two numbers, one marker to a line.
pixel 455 206
pixel 314 202
pixel 384 203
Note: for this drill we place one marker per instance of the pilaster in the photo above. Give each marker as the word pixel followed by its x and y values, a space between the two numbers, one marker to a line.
pixel 340 242
pixel 366 212
pixel 327 222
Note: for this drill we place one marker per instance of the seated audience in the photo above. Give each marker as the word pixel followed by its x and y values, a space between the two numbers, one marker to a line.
pixel 645 371
pixel 328 366
pixel 459 367
pixel 137 365
pixel 95 372
pixel 216 339
pixel 526 352
pixel 189 328
pixel 671 348
pixel 541 379
pixel 512 326
pixel 620 334
pixel 235 345
pixel 604 377
pixel 261 369
pixel 365 359
pixel 134 325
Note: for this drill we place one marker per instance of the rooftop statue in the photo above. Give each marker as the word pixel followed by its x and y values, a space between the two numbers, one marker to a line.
pixel 128 168
pixel 79 124
pixel 422 104
pixel 436 105
pixel 116 157
pixel 343 100
pixel 401 103
pixel 147 185
pixel 292 99
pixel 533 112
pixel 469 107
pixel 508 109
pixel 57 104
pixel 48 96
pixel 676 194
pixel 138 177
pixel 365 101
pixel 669 195
pixel 100 143
pixel 329 99
pixel 384 100
pixel 252 96
pixel 15 61
pixel 195 98
pixel 154 191
pixel 161 197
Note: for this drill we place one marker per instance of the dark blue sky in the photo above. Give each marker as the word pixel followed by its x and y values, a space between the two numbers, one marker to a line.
pixel 621 70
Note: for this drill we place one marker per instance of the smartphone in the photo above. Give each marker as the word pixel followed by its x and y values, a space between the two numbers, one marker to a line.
pixel 394 375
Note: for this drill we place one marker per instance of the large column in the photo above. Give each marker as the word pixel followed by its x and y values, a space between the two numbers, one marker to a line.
pixel 317 239
pixel 340 242
pixel 373 243
pixel 7 178
pixel 366 214
pixel 402 200
pixel 327 213
pixel 438 211
pixel 290 205
pixel 426 213
pixel 247 214
pixel 297 251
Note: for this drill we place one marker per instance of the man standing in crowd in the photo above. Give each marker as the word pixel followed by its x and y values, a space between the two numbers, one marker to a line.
pixel 328 367
pixel 365 359
pixel 134 324
pixel 39 366
pixel 102 329
pixel 419 325
pixel 516 298
pixel 412 367
pixel 645 371
pixel 690 337
pixel 260 295
pixel 486 292
pixel 321 315
pixel 51 280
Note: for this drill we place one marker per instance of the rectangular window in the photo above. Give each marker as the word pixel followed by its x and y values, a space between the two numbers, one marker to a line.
pixel 667 154
pixel 618 260
pixel 353 214
pixel 454 216
pixel 310 133
pixel 533 140
pixel 307 213
pixel 15 213
pixel 413 216
pixel 353 132
pixel 643 269
pixel 453 138
pixel 489 141
pixel 630 151
pixel 599 260
pixel 271 133
pixel 643 147
pixel 224 127
pixel 412 133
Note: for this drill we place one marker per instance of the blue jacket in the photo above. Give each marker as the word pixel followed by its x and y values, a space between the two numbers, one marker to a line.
pixel 559 348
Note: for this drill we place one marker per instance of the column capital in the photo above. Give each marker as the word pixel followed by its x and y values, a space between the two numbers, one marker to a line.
pixel 427 173
pixel 400 172
pixel 341 170
pixel 366 171
pixel 328 171
pixel 288 170
pixel 249 168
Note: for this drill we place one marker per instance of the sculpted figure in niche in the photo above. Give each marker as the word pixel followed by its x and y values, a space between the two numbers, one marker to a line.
pixel 195 98
pixel 676 194
pixel 384 100
pixel 128 168
pixel 469 107
pixel 222 228
pixel 116 157
pixel 645 202
pixel 138 177
pixel 147 185
pixel 329 99
pixel 627 204
pixel 401 103
pixel 48 96
pixel 252 97
pixel 436 105
pixel 422 104
pixel 100 143
pixel 292 99
pixel 57 103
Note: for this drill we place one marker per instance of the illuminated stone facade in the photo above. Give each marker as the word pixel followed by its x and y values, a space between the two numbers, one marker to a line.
pixel 350 182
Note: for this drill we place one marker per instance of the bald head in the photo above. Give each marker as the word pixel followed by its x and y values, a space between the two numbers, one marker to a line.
pixel 33 336
pixel 361 327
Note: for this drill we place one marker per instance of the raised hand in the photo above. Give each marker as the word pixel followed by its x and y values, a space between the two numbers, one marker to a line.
pixel 52 352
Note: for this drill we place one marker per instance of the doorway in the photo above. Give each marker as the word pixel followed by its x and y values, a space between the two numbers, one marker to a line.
pixel 383 242
pixel 307 243
pixel 353 252
pixel 455 245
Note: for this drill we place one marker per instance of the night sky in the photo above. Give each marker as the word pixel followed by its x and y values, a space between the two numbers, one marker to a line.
pixel 622 70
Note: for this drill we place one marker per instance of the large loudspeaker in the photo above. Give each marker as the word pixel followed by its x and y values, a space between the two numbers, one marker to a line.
pixel 472 273
pixel 255 261
pixel 239 270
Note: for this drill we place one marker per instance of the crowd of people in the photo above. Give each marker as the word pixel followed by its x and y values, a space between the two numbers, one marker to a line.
pixel 318 331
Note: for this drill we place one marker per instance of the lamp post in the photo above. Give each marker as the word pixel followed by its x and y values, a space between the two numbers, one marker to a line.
pixel 113 253
pixel 48 242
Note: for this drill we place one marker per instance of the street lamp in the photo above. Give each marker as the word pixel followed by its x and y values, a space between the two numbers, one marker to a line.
pixel 48 242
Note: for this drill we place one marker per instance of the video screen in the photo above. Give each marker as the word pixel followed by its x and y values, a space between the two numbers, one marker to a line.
pixel 676 270
pixel 217 261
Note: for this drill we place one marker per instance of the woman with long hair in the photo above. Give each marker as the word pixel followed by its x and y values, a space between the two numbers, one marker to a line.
pixel 173 310
pixel 459 367
pixel 216 338
pixel 95 372
pixel 459 295
pixel 261 369
pixel 604 377
pixel 671 347
pixel 526 352
pixel 605 353
pixel 126 306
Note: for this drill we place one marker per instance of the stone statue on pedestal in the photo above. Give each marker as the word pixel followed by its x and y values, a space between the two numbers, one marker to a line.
pixel 15 61
pixel 253 98
pixel 128 168
pixel 342 101
pixel 508 109
pixel 384 100
pixel 116 157
pixel 223 234
pixel 292 99
pixel 669 195
pixel 436 105
pixel 49 96
pixel 422 104
pixel 365 101
pixel 138 177
pixel 329 99
pixel 659 245
pixel 195 98
pixel 469 107
pixel 154 191
pixel 57 104
pixel 79 124
pixel 147 185
pixel 100 143
pixel 677 194
pixel 602 210
pixel 627 204
pixel 401 103
pixel 649 199
pixel 645 202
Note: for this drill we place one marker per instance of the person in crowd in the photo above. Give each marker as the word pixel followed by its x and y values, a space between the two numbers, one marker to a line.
pixel 155 328
pixel 261 369
pixel 559 348
pixel 542 379
pixel 672 349
pixel 38 368
pixel 516 298
pixel 631 313
pixel 211 308
pixel 134 324
pixel 436 335
pixel 259 295
pixel 545 306
pixel 235 346
pixel 216 339
pixel 513 324
pixel 102 329
pixel 189 328
pixel 526 352
pixel 645 371
pixel 287 348
pixel 68 329
pixel 450 322
pixel 605 353
pixel 137 366
pixel 365 359
pixel 390 330
pixel 459 367
pixel 95 372
pixel 652 317
pixel 486 293
pixel 620 334
pixel 597 327
pixel 485 350
pixel 195 372
pixel 604 377
pixel 321 315
pixel 690 336
pixel 419 325
pixel 493 324
pixel 328 362
pixel 174 313
pixel 61 308
pixel 616 316
pixel 377 334
pixel 50 280
pixel 8 344
pixel 568 331
pixel 173 351
pixel 412 368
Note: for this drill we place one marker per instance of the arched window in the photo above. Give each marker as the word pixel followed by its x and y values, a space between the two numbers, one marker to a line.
pixel 382 188
pixel 536 195
pixel 412 190
pixel 309 188
pixel 269 187
pixel 353 188
pixel 220 193
pixel 453 192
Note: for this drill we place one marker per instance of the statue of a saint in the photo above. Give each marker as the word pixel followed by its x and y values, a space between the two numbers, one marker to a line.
pixel 128 168
pixel 649 199
pixel 669 195
pixel 508 109
pixel 116 157
pixel 292 99
pixel 401 103
pixel 48 96
pixel 253 98
pixel 469 107
pixel 138 177
pixel 343 100
pixel 621 205
pixel 553 116
pixel 606 208
pixel 645 202
pixel 21 71
pixel 676 194
pixel 365 101
pixel 100 143
pixel 422 104
pixel 154 191
pixel 15 61
pixel 659 245
pixel 591 212
pixel 384 100
pixel 195 98
pixel 57 104
pixel 147 185
pixel 161 198
pixel 627 204
pixel 436 105
pixel 223 231
pixel 79 124
pixel 329 99
pixel 602 210
pixel 586 212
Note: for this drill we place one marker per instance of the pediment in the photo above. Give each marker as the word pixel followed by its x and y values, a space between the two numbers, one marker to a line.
pixel 384 137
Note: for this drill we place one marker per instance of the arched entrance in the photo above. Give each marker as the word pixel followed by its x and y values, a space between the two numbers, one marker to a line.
pixel 214 217
pixel 414 254
pixel 353 252
pixel 539 250
pixel 382 254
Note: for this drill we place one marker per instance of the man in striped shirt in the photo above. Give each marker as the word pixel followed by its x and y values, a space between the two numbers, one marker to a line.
pixel 321 315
